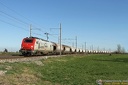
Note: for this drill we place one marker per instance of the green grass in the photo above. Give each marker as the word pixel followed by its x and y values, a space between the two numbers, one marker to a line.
pixel 83 70
pixel 68 70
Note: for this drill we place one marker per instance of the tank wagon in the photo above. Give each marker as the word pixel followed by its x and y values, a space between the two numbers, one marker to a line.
pixel 38 46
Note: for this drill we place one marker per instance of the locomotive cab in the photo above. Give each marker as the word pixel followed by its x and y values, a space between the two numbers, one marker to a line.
pixel 27 46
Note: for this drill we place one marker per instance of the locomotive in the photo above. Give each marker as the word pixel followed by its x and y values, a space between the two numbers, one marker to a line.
pixel 38 46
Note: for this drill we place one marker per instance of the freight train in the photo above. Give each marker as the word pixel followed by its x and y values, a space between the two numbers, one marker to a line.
pixel 37 46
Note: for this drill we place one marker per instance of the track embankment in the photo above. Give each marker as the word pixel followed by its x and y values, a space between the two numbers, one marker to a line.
pixel 12 59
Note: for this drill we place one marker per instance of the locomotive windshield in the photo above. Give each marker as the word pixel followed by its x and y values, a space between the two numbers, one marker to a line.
pixel 28 40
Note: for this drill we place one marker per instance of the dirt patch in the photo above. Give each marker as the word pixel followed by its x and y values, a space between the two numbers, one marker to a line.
pixel 2 73
pixel 39 63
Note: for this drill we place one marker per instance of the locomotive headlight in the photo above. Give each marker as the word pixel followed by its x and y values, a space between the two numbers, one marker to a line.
pixel 31 46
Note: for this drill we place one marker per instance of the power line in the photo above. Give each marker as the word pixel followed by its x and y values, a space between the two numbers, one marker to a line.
pixel 13 25
pixel 17 18
pixel 14 18
pixel 15 12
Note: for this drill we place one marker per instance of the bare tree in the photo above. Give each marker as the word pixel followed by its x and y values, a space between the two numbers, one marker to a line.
pixel 123 50
pixel 119 48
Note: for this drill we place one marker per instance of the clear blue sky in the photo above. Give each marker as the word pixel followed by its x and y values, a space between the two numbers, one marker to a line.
pixel 99 23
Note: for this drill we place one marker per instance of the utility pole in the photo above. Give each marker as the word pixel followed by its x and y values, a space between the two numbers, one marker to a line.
pixel 60 39
pixel 92 48
pixel 85 47
pixel 82 47
pixel 76 44
pixel 47 35
pixel 98 49
pixel 30 30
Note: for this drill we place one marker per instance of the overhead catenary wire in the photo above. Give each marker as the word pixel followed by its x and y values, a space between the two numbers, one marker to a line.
pixel 17 19
pixel 11 22
pixel 13 18
pixel 17 13
pixel 13 25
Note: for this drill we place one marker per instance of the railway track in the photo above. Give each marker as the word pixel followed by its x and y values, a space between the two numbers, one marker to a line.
pixel 12 59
